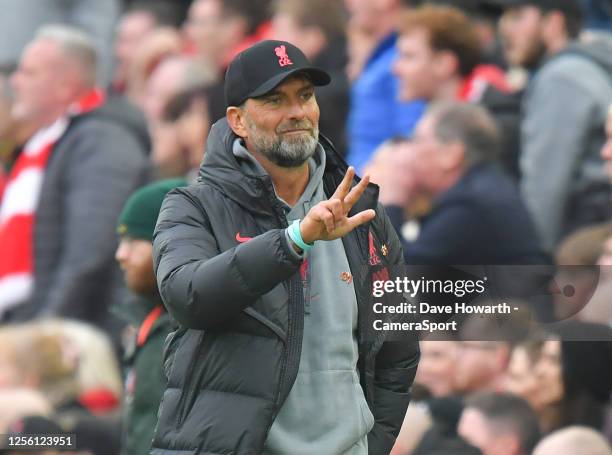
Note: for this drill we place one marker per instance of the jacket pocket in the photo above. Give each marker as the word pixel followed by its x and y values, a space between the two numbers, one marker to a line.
pixel 189 391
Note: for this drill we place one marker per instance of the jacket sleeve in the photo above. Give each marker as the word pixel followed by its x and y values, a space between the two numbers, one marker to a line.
pixel 106 164
pixel 201 286
pixel 558 119
pixel 396 365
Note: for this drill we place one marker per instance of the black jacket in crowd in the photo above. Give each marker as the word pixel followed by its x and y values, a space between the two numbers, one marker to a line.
pixel 240 305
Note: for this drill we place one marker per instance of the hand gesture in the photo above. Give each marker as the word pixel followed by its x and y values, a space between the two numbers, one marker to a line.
pixel 328 220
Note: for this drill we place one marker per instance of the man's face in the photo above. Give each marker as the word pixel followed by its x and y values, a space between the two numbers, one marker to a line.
pixel 437 366
pixel 416 67
pixel 38 84
pixel 478 364
pixel 606 151
pixel 131 31
pixel 164 83
pixel 283 125
pixel 433 159
pixel 135 257
pixel 521 30
pixel 364 14
pixel 476 430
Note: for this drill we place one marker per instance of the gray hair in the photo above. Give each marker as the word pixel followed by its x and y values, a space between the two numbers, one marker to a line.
pixel 77 45
pixel 469 124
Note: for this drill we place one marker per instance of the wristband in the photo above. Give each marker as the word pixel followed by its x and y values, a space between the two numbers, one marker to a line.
pixel 296 236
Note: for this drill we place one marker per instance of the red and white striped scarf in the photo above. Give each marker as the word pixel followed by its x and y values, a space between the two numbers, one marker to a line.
pixel 20 200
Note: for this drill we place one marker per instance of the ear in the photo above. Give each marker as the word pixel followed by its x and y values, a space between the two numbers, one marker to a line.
pixel 454 156
pixel 236 121
pixel 447 63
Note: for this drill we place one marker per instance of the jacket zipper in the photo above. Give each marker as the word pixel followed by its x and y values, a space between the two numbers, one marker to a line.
pixel 295 315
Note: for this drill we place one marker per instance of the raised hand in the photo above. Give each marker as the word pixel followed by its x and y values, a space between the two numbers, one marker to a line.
pixel 328 220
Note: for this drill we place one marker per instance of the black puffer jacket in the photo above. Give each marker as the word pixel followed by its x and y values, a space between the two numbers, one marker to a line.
pixel 240 304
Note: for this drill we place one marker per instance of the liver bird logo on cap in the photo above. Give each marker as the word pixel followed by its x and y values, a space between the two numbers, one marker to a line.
pixel 283 58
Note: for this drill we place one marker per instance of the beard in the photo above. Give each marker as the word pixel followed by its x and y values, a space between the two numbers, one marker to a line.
pixel 286 152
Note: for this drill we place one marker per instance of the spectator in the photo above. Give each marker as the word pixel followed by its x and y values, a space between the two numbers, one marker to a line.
pixel 133 28
pixel 187 113
pixel 481 365
pixel 376 114
pixel 520 378
pixel 476 214
pixel 145 379
pixel 318 28
pixel 484 15
pixel 573 440
pixel 219 30
pixel 442 438
pixel 173 76
pixel 160 44
pixel 499 424
pixel 94 368
pixel 437 367
pixel 565 106
pixel 575 376
pixel 440 59
pixel 66 188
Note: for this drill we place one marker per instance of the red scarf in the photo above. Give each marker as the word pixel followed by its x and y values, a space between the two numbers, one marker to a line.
pixel 20 200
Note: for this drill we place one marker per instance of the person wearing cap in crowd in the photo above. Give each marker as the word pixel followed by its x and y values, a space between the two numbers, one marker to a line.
pixel 266 264
pixel 562 175
pixel 145 380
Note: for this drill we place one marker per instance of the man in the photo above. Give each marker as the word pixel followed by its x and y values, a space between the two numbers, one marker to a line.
pixel 273 356
pixel 317 27
pixel 474 215
pixel 440 58
pixel 67 187
pixel 499 424
pixel 135 26
pixel 145 381
pixel 173 76
pixel 376 113
pixel 565 108
pixel 220 29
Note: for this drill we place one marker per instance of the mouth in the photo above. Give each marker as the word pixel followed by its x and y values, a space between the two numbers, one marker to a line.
pixel 299 131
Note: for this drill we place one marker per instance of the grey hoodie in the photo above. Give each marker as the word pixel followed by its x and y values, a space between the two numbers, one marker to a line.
pixel 565 109
pixel 326 411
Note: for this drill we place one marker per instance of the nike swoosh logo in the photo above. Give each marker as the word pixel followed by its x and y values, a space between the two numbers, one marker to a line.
pixel 242 239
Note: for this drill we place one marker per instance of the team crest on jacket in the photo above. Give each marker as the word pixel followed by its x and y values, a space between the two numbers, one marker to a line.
pixel 283 58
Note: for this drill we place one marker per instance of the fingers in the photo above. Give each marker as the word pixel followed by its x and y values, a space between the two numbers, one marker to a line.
pixel 345 184
pixel 336 206
pixel 360 218
pixel 324 213
pixel 353 196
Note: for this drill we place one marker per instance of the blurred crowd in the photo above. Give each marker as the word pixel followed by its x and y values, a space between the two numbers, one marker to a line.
pixel 487 125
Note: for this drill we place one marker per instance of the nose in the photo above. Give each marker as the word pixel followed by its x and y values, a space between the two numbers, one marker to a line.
pixel 122 252
pixel 296 111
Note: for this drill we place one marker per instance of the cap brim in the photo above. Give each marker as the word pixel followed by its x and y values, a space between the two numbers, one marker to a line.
pixel 317 76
